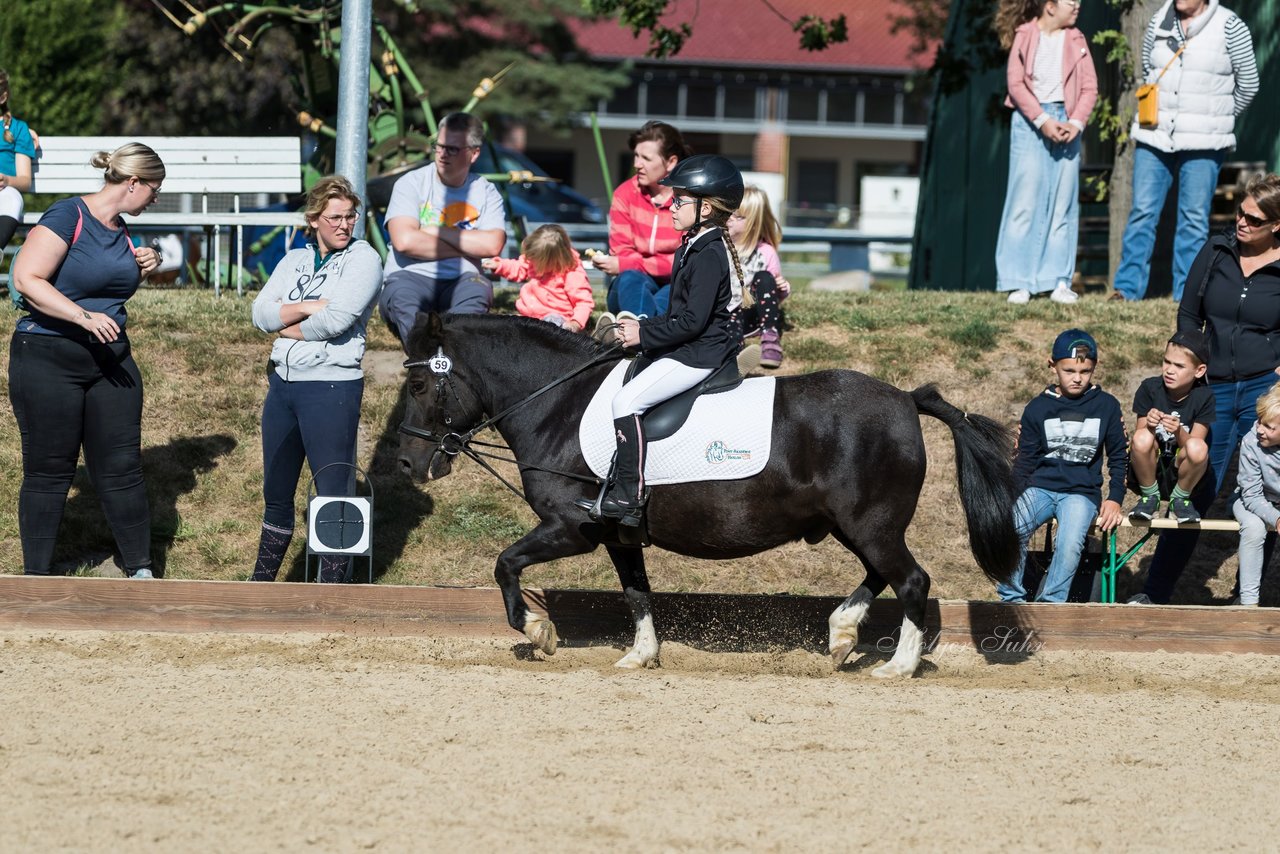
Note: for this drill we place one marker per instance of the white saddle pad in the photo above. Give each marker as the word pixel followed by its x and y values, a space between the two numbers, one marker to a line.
pixel 726 437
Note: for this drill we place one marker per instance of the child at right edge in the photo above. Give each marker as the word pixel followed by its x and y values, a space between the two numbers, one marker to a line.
pixel 1065 430
pixel 1255 502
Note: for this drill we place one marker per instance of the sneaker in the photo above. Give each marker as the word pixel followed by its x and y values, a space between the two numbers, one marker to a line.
pixel 770 350
pixel 626 315
pixel 1146 508
pixel 749 359
pixel 142 574
pixel 1140 599
pixel 604 326
pixel 1063 294
pixel 556 320
pixel 1022 296
pixel 1183 510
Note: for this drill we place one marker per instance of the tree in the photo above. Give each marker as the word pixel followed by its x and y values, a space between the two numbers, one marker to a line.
pixel 1116 111
pixel 179 84
pixel 58 62
pixel 665 39
pixel 454 45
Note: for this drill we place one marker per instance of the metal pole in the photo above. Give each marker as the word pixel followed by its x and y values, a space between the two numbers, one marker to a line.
pixel 353 97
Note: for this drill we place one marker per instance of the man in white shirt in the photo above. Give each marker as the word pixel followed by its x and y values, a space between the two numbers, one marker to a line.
pixel 442 220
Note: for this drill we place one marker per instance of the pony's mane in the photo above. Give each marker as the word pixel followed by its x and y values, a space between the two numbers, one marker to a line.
pixel 548 334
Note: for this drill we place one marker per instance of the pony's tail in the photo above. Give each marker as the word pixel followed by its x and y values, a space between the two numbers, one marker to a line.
pixel 984 468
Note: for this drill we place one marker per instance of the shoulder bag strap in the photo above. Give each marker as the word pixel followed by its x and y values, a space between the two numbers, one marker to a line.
pixel 1172 58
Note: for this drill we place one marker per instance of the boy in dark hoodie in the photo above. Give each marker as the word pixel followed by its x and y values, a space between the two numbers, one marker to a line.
pixel 1064 432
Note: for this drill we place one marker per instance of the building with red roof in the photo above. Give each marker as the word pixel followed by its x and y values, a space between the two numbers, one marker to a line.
pixel 743 87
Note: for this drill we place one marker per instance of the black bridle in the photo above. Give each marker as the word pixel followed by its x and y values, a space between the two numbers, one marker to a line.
pixel 454 443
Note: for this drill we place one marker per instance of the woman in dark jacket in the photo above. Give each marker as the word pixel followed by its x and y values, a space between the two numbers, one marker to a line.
pixel 1233 293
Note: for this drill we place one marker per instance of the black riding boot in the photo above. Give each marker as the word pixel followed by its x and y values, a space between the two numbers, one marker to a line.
pixel 626 497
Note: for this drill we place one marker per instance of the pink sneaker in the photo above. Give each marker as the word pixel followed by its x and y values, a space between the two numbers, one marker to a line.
pixel 770 349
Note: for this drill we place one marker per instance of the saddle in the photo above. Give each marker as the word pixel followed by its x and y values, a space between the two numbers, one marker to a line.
pixel 663 420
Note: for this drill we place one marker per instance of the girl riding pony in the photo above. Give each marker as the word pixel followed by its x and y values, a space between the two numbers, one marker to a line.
pixel 695 336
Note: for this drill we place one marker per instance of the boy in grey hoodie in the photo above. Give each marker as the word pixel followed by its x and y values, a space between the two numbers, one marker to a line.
pixel 1254 503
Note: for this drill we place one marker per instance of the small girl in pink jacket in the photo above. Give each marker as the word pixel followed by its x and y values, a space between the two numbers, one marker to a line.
pixel 1053 87
pixel 555 284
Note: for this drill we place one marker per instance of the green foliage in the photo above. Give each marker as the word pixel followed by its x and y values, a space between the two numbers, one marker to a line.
pixel 453 46
pixel 1109 116
pixel 173 83
pixel 58 61
pixel 818 33
pixel 645 16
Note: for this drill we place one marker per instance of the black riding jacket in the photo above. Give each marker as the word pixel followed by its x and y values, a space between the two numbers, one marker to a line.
pixel 696 330
pixel 1241 316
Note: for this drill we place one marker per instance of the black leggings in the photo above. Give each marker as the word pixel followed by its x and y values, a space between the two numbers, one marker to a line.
pixel 66 394
pixel 764 315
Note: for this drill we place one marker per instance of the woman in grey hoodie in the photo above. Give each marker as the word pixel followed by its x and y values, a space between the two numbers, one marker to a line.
pixel 317 303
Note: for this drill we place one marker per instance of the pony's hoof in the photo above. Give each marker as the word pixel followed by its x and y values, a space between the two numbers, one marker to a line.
pixel 889 670
pixel 840 654
pixel 542 634
pixel 635 661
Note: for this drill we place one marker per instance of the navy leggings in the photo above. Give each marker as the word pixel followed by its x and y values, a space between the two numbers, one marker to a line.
pixel 312 421
pixel 67 394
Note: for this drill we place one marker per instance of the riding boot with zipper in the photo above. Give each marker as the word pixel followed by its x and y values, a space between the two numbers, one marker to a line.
pixel 626 497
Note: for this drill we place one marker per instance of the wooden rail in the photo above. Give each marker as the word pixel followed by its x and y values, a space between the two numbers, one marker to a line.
pixel 723 622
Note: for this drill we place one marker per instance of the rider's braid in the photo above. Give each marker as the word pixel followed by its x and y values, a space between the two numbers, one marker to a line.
pixel 720 213
pixel 747 299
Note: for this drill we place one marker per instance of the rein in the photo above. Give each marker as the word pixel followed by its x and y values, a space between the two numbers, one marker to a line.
pixel 455 443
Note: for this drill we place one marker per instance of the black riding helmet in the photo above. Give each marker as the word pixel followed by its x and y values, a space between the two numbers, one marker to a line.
pixel 707 176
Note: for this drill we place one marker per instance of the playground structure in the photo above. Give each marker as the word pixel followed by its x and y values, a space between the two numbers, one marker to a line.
pixel 401 121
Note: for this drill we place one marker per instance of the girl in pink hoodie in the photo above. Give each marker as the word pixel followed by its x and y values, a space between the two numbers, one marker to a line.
pixel 555 284
pixel 1053 87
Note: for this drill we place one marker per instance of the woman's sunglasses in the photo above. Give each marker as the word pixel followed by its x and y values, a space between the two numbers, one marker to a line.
pixel 1249 219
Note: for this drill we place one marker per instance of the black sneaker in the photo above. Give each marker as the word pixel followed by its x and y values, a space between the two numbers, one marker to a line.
pixel 1182 510
pixel 1146 508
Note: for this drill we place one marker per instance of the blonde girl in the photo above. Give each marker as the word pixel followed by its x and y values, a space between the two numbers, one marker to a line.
pixel 555 285
pixel 756 236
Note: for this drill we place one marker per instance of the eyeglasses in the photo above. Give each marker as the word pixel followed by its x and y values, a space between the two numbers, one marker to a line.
pixel 1249 219
pixel 344 219
pixel 154 188
pixel 452 150
pixel 680 201
pixel 1075 3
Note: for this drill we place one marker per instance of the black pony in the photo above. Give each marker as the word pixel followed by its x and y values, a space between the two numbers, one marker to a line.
pixel 847 459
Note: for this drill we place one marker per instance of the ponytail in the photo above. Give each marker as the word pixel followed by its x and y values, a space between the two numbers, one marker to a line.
pixel 5 115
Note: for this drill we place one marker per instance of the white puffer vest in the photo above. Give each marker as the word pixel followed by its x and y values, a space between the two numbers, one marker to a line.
pixel 1197 93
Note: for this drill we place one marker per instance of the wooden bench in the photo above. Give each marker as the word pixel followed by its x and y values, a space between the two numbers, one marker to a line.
pixel 193 165
pixel 1113 560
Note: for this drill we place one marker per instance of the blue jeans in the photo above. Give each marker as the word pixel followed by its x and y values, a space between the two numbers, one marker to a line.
pixel 638 293
pixel 315 421
pixel 1235 410
pixel 1153 173
pixel 1075 513
pixel 1036 250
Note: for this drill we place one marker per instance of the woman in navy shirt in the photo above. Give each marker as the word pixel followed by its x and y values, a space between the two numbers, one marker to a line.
pixel 72 379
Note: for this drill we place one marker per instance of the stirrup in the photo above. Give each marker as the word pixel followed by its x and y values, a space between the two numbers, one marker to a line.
pixel 592 506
